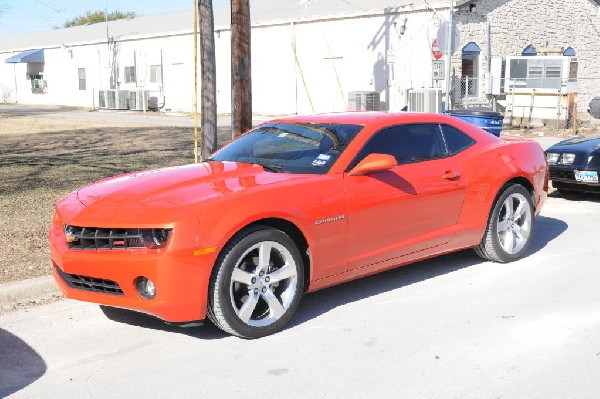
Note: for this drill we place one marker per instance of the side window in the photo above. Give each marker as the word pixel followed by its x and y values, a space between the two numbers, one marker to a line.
pixel 407 143
pixel 456 141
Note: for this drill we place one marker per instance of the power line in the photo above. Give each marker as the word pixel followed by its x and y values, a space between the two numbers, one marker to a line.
pixel 51 6
pixel 353 5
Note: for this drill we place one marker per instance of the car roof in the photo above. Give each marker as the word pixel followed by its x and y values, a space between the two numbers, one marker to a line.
pixel 352 117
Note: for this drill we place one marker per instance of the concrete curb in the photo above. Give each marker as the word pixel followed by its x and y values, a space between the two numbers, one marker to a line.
pixel 26 290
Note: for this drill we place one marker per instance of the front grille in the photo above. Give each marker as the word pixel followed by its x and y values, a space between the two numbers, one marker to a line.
pixel 92 284
pixel 561 174
pixel 105 238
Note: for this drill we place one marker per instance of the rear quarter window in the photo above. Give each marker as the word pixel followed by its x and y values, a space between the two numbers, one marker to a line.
pixel 456 140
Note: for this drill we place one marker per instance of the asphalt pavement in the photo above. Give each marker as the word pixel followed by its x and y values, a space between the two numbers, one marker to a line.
pixel 451 327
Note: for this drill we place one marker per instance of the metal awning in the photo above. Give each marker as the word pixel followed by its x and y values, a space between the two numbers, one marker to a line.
pixel 471 49
pixel 27 56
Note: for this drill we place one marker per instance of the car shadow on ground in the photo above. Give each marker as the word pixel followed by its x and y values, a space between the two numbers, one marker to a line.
pixel 546 230
pixel 206 331
pixel 321 302
pixel 20 364
pixel 316 304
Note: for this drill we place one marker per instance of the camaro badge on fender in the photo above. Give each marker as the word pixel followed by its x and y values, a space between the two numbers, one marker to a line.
pixel 332 219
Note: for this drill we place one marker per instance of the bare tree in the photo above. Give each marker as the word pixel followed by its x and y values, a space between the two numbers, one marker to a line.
pixel 208 79
pixel 241 74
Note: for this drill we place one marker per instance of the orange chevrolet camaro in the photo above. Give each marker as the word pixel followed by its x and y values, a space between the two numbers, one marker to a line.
pixel 295 205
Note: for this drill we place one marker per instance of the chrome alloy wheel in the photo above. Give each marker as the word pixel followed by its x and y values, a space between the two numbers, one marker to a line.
pixel 263 284
pixel 514 223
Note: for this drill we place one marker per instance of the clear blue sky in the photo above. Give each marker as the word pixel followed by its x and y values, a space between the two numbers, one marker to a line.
pixel 24 16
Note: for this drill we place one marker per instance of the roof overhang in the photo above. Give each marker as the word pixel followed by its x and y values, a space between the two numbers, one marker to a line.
pixel 27 56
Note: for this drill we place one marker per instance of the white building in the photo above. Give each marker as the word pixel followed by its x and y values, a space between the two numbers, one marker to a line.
pixel 307 55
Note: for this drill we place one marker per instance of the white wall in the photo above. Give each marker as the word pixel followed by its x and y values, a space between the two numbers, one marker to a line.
pixel 331 59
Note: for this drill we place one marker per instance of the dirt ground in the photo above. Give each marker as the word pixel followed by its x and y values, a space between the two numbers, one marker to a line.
pixel 43 157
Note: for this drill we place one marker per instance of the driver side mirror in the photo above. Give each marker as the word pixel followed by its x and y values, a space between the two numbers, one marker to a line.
pixel 374 163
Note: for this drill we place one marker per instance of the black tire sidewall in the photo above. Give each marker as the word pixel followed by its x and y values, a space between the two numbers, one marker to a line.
pixel 225 270
pixel 499 250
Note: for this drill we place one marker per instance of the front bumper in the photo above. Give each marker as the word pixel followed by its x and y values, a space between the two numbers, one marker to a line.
pixel 563 178
pixel 108 277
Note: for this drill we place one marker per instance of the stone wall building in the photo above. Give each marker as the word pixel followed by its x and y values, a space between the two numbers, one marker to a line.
pixel 502 28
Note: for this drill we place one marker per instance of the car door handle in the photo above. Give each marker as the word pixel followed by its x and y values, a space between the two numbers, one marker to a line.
pixel 451 175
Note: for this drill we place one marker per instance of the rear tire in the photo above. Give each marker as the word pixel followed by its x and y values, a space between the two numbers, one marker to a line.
pixel 257 283
pixel 510 226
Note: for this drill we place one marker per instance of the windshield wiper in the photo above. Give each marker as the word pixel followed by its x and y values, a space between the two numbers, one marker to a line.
pixel 267 167
pixel 270 168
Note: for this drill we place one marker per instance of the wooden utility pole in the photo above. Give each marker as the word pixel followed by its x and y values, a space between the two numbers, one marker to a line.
pixel 241 74
pixel 208 79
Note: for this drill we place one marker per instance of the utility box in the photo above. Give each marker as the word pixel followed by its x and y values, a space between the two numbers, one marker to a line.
pixel 495 81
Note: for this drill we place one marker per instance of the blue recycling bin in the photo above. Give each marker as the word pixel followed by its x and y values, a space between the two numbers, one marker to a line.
pixel 488 120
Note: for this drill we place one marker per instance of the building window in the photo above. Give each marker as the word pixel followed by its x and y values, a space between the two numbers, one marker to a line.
pixel 81 75
pixel 130 74
pixel 155 74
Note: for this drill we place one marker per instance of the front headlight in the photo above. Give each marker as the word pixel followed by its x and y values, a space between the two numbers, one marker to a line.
pixel 552 157
pixel 567 159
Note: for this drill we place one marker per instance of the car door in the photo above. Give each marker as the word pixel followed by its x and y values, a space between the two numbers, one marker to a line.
pixel 410 207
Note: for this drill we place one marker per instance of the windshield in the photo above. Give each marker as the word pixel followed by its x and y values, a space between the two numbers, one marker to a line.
pixel 304 148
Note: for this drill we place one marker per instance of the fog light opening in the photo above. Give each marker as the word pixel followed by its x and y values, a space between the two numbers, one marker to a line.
pixel 145 287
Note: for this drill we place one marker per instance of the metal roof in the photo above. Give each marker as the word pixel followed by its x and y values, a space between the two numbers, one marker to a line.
pixel 262 11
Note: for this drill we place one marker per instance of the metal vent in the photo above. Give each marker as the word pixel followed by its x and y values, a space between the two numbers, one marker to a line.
pixel 102 99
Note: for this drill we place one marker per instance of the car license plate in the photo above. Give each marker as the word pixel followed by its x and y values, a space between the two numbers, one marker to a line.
pixel 586 176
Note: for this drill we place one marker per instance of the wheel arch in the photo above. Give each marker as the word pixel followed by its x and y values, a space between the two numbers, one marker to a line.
pixel 289 228
pixel 523 181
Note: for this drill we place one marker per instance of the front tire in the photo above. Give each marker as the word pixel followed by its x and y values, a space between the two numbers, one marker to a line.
pixel 510 227
pixel 257 283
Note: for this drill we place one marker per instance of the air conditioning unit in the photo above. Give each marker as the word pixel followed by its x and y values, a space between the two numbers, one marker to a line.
pixel 111 96
pixel 117 99
pixel 425 100
pixel 103 99
pixel 153 103
pixel 364 101
pixel 544 74
pixel 137 98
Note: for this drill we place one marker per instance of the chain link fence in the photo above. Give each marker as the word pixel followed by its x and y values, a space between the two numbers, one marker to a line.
pixel 532 102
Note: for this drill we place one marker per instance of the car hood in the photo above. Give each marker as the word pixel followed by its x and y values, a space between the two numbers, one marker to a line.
pixel 577 144
pixel 177 186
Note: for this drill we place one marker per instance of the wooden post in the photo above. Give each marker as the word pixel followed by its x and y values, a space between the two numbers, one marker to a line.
pixel 241 74
pixel 208 79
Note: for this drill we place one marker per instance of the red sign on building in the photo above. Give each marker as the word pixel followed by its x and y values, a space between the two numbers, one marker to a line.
pixel 435 50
